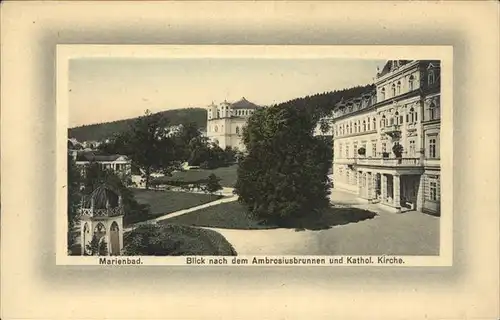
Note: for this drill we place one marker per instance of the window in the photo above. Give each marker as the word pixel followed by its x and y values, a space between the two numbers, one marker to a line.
pixel 430 78
pixel 364 125
pixel 374 124
pixel 411 148
pixel 412 115
pixel 384 147
pixel 374 148
pixel 340 149
pixel 347 129
pixel 382 94
pixel 393 90
pixel 432 148
pixel 382 121
pixel 355 127
pixel 216 129
pixel 396 115
pixel 398 88
pixel 347 151
pixel 411 83
pixel 237 130
pixel 433 112
pixel 433 190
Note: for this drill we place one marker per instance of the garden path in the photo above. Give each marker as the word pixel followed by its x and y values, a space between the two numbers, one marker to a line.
pixel 227 198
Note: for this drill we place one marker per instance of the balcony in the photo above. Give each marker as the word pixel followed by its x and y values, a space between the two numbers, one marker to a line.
pixel 394 131
pixel 348 161
pixel 389 162
pixel 93 213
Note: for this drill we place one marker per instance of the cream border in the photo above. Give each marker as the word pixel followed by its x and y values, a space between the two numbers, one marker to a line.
pixel 443 53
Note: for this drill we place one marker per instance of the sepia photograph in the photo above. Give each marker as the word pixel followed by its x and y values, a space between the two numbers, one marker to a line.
pixel 226 156
pixel 249 160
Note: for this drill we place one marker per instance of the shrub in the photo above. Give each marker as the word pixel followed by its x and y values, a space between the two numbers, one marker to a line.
pixel 397 149
pixel 96 247
pixel 175 240
pixel 212 185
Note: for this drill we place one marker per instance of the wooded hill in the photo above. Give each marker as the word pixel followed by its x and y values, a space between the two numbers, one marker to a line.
pixel 322 102
pixel 101 131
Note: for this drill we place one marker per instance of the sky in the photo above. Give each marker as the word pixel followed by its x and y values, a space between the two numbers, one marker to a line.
pixel 108 89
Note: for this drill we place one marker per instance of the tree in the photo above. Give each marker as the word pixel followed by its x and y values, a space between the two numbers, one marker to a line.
pixel 285 172
pixel 150 147
pixel 118 144
pixel 188 132
pixel 199 151
pixel 212 185
pixel 96 247
pixel 230 155
pixel 74 197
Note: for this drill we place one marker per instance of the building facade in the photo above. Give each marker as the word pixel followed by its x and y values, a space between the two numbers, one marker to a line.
pixel 225 122
pixel 119 164
pixel 386 142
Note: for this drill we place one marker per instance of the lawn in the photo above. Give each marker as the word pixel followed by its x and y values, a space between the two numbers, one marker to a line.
pixel 233 215
pixel 228 175
pixel 163 202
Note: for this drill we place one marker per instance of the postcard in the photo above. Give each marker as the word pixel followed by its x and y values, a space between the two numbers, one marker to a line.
pixel 254 155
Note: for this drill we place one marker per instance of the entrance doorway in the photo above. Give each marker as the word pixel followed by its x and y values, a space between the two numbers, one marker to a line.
pixel 114 239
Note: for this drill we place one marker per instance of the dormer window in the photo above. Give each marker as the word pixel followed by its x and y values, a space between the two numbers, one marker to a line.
pixel 382 94
pixel 398 87
pixel 431 78
pixel 393 90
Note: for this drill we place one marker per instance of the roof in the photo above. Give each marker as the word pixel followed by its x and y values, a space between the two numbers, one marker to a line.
pixel 92 156
pixel 244 104
pixel 102 195
pixel 391 65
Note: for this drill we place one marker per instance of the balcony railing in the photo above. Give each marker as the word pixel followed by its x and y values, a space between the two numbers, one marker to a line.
pixel 389 162
pixel 391 128
pixel 394 131
pixel 111 212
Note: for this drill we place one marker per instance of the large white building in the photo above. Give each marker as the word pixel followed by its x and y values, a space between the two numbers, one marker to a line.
pixel 225 122
pixel 120 164
pixel 404 109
